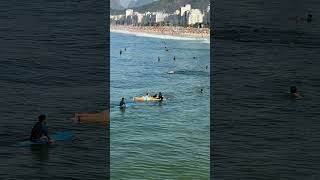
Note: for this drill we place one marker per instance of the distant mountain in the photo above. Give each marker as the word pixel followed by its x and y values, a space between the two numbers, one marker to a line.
pixel 115 5
pixel 170 6
pixel 138 3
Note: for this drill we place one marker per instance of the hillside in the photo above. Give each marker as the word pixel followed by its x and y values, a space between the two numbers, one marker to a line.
pixel 138 3
pixel 168 6
pixel 115 4
pixel 116 12
pixel 171 5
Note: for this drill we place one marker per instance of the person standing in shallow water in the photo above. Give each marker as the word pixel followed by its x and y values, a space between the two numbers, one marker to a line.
pixel 120 52
pixel 174 58
pixel 158 59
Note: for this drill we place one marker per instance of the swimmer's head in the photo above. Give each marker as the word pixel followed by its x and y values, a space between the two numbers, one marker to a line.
pixel 293 89
pixel 42 118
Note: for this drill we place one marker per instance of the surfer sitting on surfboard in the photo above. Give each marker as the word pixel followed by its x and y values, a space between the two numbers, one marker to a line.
pixel 39 133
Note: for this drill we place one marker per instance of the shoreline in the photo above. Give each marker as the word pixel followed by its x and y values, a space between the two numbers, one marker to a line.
pixel 165 32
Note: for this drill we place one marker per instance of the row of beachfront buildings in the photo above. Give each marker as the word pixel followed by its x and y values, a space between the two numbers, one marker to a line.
pixel 184 16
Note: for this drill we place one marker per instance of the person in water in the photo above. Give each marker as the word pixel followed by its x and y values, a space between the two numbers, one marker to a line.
pixel 158 59
pixel 155 96
pixel 160 96
pixel 122 103
pixel 201 90
pixel 147 96
pixel 298 19
pixel 120 52
pixel 39 132
pixel 294 92
pixel 309 18
pixel 174 58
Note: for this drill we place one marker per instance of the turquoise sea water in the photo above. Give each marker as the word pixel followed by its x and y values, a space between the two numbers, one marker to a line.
pixel 160 140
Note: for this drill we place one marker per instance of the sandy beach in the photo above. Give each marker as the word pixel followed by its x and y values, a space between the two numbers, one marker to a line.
pixel 184 32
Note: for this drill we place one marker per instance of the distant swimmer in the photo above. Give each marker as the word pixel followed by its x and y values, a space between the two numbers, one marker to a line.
pixel 174 58
pixel 39 133
pixel 206 67
pixel 194 57
pixel 309 18
pixel 294 92
pixel 125 49
pixel 298 19
pixel 158 59
pixel 201 90
pixel 120 52
pixel 122 103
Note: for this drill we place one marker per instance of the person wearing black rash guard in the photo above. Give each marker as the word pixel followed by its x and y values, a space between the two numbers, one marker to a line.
pixel 39 133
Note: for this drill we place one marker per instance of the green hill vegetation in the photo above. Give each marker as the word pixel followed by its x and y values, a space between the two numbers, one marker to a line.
pixel 168 6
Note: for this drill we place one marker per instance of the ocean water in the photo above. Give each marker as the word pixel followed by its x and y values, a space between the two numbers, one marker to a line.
pixel 53 60
pixel 258 131
pixel 160 140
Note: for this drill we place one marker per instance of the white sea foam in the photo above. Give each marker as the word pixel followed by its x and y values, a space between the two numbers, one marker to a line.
pixel 162 36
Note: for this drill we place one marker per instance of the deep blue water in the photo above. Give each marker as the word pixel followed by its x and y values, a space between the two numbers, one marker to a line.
pixel 258 131
pixel 53 58
pixel 168 140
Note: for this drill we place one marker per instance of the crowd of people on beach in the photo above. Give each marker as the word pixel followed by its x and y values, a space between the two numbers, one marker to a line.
pixel 166 30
